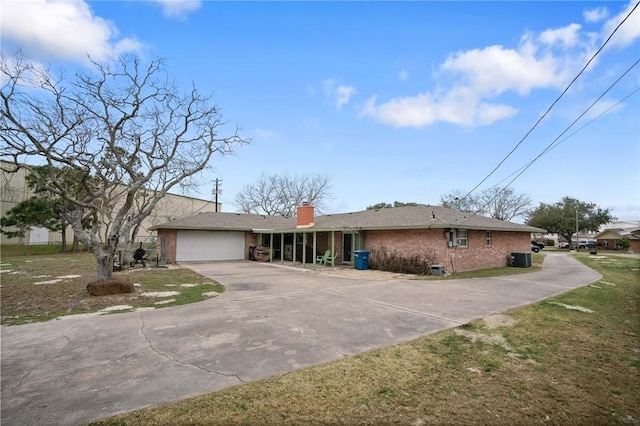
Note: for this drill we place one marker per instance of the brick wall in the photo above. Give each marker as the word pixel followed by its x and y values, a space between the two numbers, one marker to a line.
pixel 476 255
pixel 250 239
pixel 172 236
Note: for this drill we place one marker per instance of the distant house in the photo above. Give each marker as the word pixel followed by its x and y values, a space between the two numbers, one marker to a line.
pixel 608 238
pixel 460 241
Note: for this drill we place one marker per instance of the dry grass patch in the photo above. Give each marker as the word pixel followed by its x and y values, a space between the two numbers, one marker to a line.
pixel 537 364
pixel 40 288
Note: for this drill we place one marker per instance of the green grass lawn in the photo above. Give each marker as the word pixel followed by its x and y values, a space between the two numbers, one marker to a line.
pixel 540 364
pixel 45 284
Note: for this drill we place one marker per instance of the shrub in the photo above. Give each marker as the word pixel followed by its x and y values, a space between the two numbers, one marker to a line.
pixel 624 243
pixel 383 260
pixel 112 286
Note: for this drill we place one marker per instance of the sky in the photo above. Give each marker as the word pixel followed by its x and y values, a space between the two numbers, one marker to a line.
pixel 394 101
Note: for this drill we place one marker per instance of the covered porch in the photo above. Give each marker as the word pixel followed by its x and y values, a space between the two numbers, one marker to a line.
pixel 306 246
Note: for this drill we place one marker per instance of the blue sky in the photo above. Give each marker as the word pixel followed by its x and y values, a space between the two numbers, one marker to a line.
pixel 395 101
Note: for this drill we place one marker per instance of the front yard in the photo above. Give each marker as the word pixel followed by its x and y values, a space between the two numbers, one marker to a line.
pixel 43 287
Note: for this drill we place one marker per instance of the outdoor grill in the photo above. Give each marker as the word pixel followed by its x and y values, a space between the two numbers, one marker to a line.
pixel 138 256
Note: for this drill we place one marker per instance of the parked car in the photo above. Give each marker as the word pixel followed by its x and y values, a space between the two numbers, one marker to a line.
pixel 535 248
pixel 586 244
pixel 540 245
pixel 563 245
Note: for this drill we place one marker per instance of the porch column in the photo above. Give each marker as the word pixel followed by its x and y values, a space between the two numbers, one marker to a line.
pixel 333 248
pixel 281 248
pixel 315 250
pixel 295 245
pixel 271 247
pixel 304 249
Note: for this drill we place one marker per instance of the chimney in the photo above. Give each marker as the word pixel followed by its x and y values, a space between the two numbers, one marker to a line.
pixel 305 216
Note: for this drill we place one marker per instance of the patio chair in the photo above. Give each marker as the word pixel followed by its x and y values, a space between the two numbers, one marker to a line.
pixel 322 260
pixel 329 259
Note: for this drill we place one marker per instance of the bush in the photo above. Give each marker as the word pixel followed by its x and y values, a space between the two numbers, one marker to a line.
pixel 112 286
pixel 382 260
pixel 623 243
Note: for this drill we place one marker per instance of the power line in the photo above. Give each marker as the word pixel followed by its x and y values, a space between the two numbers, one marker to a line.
pixel 551 145
pixel 554 102
pixel 572 134
pixel 557 140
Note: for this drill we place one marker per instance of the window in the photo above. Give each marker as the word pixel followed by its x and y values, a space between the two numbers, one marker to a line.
pixel 462 237
pixel 457 237
pixel 488 239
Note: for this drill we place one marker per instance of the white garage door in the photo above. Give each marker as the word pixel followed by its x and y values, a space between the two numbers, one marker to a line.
pixel 209 245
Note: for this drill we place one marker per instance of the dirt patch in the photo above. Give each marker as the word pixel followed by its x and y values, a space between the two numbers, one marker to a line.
pixel 499 320
pixel 491 339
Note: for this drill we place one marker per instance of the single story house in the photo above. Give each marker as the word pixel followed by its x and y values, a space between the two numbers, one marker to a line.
pixel 460 241
pixel 608 239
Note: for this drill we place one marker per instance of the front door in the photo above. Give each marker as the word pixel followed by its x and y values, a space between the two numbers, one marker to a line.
pixel 347 240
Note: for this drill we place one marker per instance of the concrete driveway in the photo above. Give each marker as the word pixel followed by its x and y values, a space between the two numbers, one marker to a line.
pixel 271 320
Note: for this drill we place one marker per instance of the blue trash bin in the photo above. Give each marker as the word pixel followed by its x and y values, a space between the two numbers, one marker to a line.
pixel 361 259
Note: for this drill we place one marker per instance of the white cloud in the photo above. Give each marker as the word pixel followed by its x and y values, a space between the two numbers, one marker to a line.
pixel 604 107
pixel 424 110
pixel 469 81
pixel 178 8
pixel 595 15
pixel 62 29
pixel 567 36
pixel 341 93
pixel 628 32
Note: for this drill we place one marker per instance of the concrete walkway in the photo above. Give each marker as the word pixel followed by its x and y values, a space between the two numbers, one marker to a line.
pixel 271 320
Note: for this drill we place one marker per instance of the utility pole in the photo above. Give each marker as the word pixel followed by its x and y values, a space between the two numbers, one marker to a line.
pixel 577 229
pixel 217 191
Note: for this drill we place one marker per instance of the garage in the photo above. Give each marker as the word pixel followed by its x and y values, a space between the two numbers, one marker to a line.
pixel 209 245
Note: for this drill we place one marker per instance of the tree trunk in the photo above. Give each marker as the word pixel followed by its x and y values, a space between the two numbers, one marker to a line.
pixel 104 266
pixel 64 237
pixel 75 244
pixel 104 259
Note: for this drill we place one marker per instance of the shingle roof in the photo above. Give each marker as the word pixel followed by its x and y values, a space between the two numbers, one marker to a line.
pixel 421 216
pixel 409 217
pixel 228 222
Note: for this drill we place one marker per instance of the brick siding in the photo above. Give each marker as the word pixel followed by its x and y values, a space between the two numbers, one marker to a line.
pixel 172 236
pixel 414 242
pixel 429 242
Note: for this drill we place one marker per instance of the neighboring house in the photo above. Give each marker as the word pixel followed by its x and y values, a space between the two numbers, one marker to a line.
pixel 460 241
pixel 608 238
pixel 13 190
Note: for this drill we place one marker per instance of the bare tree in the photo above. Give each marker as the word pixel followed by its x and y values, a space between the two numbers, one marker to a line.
pixel 280 195
pixel 499 203
pixel 125 130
